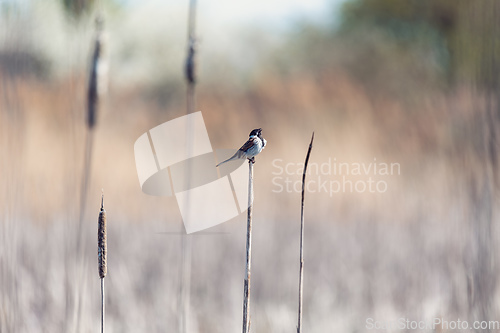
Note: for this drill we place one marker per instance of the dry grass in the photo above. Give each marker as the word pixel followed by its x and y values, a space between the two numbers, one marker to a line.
pixel 401 253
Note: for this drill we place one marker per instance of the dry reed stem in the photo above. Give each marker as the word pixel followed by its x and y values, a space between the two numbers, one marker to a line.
pixel 301 272
pixel 97 87
pixel 102 305
pixel 190 76
pixel 246 293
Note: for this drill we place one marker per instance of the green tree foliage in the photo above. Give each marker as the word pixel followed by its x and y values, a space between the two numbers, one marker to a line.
pixel 461 35
pixel 77 8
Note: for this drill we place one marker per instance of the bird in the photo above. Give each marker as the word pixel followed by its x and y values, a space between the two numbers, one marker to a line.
pixel 251 148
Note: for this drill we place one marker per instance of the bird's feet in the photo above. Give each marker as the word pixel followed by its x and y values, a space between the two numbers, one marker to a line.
pixel 251 160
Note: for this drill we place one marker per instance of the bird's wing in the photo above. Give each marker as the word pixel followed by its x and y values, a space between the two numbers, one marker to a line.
pixel 249 144
pixel 241 153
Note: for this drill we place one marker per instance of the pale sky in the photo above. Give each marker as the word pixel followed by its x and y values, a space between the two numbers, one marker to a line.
pixel 276 13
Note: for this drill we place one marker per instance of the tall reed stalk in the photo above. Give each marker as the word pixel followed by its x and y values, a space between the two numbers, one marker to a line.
pixel 96 89
pixel 246 292
pixel 301 270
pixel 186 246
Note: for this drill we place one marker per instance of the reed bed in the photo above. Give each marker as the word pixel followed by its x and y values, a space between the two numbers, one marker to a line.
pixel 365 247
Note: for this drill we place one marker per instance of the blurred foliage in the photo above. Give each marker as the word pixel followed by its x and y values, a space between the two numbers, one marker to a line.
pixel 410 24
pixel 77 8
pixel 396 47
pixel 461 36
pixel 480 43
pixel 403 19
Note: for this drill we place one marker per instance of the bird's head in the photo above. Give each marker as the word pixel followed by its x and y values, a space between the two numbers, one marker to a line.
pixel 256 132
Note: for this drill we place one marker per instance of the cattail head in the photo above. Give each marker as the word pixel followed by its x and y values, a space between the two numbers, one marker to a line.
pixel 102 247
pixel 190 66
pixel 97 87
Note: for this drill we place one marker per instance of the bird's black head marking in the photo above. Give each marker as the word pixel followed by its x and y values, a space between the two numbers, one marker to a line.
pixel 256 132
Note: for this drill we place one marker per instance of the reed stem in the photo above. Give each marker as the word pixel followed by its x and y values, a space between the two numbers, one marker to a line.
pixel 301 272
pixel 246 293
pixel 190 76
pixel 102 305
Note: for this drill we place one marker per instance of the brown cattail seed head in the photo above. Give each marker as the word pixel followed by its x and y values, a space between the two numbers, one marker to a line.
pixel 102 247
pixel 98 79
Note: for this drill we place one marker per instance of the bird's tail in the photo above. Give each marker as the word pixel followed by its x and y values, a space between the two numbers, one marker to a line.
pixel 239 154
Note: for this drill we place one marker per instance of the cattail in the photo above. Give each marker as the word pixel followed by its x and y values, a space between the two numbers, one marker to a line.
pixel 102 249
pixel 98 74
pixel 97 87
pixel 190 62
pixel 190 76
pixel 101 241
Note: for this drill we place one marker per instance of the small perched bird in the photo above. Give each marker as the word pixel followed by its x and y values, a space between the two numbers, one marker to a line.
pixel 251 148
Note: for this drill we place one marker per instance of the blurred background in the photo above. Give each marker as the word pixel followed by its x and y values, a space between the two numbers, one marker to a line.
pixel 412 82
